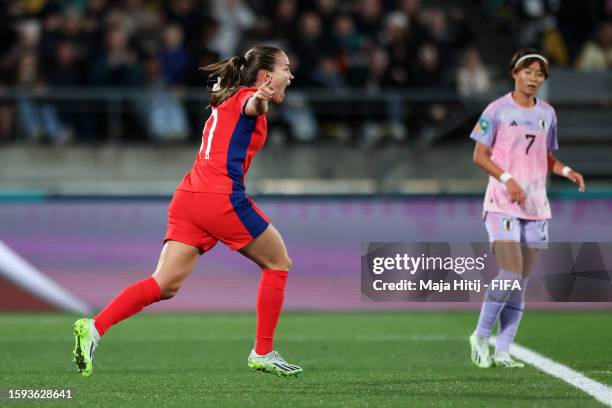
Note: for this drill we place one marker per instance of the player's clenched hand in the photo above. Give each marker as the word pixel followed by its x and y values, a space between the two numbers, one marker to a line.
pixel 516 193
pixel 264 92
pixel 576 177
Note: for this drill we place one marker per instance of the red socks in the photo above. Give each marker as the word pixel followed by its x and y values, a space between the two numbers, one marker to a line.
pixel 270 296
pixel 130 301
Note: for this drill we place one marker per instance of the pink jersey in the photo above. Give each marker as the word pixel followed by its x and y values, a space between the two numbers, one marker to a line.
pixel 519 139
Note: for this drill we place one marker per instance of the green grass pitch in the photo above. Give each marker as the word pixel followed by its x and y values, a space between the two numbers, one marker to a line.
pixel 386 359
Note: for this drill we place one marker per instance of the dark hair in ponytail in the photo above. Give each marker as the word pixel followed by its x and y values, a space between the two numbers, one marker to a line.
pixel 227 76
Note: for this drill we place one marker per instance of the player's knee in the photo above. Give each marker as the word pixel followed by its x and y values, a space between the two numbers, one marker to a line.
pixel 282 264
pixel 169 291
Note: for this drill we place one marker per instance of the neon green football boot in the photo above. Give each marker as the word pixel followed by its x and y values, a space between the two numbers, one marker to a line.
pixel 503 359
pixel 480 354
pixel 86 340
pixel 273 363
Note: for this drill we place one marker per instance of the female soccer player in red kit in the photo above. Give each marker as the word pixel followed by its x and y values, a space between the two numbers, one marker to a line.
pixel 211 205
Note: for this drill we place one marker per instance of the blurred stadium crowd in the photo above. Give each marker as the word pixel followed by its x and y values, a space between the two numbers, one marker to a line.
pixel 370 45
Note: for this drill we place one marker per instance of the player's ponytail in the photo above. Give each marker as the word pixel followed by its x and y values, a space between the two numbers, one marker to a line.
pixel 227 76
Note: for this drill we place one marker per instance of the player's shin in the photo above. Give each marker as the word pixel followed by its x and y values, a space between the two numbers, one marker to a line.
pixel 510 318
pixel 128 302
pixel 494 302
pixel 270 297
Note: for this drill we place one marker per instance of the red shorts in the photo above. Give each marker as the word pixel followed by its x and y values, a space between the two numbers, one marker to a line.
pixel 202 219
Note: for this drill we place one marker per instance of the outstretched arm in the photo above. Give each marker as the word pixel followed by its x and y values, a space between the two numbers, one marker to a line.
pixel 560 169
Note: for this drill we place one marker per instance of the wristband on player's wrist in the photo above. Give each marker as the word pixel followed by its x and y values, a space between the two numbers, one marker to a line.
pixel 504 177
pixel 566 171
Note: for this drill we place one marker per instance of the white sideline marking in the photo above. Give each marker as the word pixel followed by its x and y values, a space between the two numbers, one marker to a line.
pixel 599 391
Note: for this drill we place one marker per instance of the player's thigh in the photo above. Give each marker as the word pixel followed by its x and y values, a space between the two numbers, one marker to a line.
pixel 509 255
pixel 176 262
pixel 268 250
pixel 529 256
pixel 534 236
pixel 505 237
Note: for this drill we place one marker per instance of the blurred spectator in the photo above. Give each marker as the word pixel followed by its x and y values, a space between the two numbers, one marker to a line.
pixel 117 64
pixel 143 25
pixel 93 19
pixel 472 76
pixel 597 54
pixel 174 56
pixel 28 38
pixel 161 112
pixel 352 52
pixel 204 55
pixel 439 35
pixel 61 27
pixel 327 75
pixel 378 63
pixel 412 9
pixel 191 15
pixel 400 50
pixel 369 18
pixel 535 17
pixel 36 119
pixel 459 28
pixel 66 71
pixel 234 17
pixel 285 20
pixel 327 10
pixel 307 46
pixel 428 71
pixel 576 20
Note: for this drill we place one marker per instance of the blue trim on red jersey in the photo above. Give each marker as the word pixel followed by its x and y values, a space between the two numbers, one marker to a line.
pixel 237 150
pixel 252 221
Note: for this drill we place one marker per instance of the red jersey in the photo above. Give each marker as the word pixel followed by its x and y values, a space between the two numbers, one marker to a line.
pixel 230 140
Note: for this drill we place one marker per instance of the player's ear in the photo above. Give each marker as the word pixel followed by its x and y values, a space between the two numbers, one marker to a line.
pixel 263 75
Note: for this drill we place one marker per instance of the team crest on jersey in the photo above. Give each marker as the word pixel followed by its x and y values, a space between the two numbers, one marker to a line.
pixel 482 126
pixel 542 124
pixel 507 223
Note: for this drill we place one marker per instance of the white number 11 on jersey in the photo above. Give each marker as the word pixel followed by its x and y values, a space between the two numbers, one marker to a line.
pixel 211 133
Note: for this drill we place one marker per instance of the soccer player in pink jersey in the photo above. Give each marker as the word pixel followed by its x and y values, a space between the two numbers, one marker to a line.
pixel 211 205
pixel 515 140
